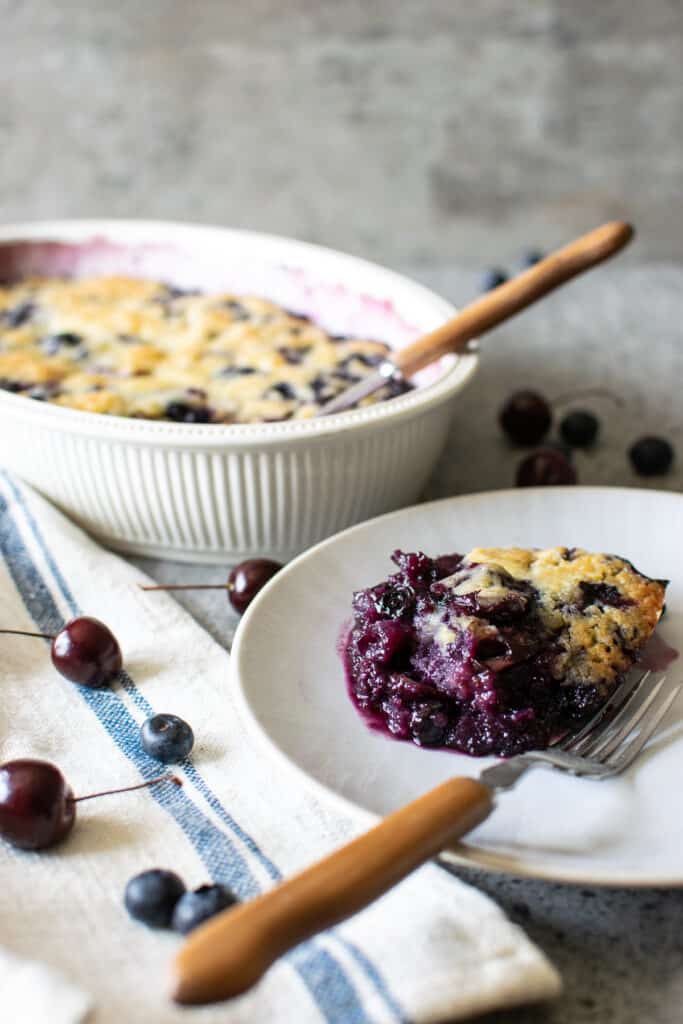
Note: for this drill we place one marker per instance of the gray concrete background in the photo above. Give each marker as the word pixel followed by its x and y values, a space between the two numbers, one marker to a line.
pixel 413 133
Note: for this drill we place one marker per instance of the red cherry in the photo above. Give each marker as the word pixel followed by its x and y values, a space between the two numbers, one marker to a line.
pixel 87 652
pixel 84 651
pixel 245 580
pixel 37 806
pixel 526 417
pixel 545 468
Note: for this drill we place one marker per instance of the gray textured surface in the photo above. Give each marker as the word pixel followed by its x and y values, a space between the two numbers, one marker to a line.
pixel 620 952
pixel 412 133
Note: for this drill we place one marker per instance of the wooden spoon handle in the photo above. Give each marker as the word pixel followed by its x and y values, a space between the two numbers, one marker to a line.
pixel 231 952
pixel 509 298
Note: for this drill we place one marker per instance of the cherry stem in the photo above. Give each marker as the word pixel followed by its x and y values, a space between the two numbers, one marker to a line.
pixel 127 789
pixel 570 396
pixel 22 632
pixel 189 586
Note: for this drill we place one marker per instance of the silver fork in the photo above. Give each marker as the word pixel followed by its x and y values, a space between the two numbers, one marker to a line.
pixel 229 953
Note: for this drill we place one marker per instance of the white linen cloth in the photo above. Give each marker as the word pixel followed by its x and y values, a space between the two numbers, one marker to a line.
pixel 432 949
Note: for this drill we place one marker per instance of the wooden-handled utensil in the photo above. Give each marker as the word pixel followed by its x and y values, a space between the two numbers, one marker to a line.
pixel 228 954
pixel 491 309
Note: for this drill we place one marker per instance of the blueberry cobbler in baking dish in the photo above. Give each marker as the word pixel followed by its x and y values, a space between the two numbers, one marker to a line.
pixel 497 651
pixel 131 347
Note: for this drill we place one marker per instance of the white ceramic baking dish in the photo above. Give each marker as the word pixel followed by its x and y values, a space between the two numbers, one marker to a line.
pixel 208 493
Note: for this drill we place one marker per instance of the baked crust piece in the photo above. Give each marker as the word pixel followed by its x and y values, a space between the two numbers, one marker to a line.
pixel 131 347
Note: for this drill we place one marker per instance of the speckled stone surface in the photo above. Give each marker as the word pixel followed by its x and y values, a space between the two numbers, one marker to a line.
pixel 620 952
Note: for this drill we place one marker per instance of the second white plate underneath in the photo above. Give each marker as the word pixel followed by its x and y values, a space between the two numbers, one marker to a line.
pixel 627 831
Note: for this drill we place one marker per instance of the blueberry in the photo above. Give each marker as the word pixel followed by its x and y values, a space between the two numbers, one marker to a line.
pixel 19 315
pixel 294 356
pixel 530 257
pixel 183 412
pixel 15 386
pixel 54 342
pixel 395 601
pixel 193 908
pixel 284 389
pixel 151 897
pixel 239 312
pixel 237 371
pixel 525 417
pixel 651 456
pixel 167 738
pixel 491 278
pixel 580 428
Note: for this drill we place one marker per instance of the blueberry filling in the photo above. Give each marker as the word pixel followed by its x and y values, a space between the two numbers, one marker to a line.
pixel 460 655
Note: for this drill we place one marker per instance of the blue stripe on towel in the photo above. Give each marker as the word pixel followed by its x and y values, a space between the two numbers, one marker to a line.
pixel 324 977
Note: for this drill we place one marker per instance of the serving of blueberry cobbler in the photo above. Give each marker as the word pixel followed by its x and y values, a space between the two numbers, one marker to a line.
pixel 497 651
pixel 131 347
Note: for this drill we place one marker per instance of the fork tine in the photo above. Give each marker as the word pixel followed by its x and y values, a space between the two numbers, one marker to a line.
pixel 624 723
pixel 577 742
pixel 624 755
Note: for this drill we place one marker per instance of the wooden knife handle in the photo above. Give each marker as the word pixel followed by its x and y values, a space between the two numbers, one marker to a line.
pixel 229 953
pixel 509 298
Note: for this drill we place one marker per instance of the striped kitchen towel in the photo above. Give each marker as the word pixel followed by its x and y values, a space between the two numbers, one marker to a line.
pixel 433 949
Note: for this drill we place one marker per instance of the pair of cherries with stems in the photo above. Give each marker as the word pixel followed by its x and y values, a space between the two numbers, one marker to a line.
pixel 37 805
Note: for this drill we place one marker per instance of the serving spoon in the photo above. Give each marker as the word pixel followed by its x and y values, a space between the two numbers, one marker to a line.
pixel 491 309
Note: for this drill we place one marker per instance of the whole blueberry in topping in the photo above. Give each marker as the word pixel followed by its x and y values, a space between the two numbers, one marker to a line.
pixel 18 315
pixel 284 389
pixel 525 417
pixel 492 278
pixel 294 356
pixel 322 388
pixel 193 908
pixel 651 456
pixel 167 738
pixel 579 428
pixel 54 342
pixel 151 897
pixel 239 312
pixel 545 468
pixel 183 412
pixel 237 371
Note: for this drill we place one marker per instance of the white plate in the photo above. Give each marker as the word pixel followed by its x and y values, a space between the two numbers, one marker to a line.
pixel 626 831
